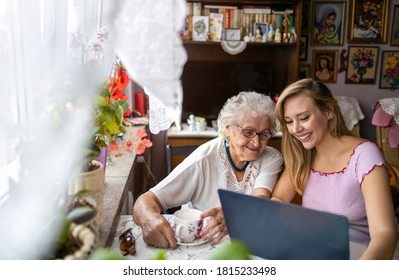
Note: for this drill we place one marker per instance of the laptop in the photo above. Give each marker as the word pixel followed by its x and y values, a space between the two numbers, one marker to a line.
pixel 282 231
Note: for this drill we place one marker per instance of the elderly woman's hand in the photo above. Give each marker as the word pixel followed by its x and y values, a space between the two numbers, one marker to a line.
pixel 215 228
pixel 157 232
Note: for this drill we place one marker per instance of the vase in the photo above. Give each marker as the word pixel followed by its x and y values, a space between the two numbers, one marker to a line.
pixel 103 157
pixel 92 181
pixel 393 82
pixel 361 71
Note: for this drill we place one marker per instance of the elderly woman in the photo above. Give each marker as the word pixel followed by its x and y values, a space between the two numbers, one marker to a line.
pixel 239 160
pixel 334 171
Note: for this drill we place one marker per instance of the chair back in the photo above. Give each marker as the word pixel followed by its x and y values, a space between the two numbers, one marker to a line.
pixel 182 151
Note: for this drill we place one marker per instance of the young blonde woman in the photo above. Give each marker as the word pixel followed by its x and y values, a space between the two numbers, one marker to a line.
pixel 334 171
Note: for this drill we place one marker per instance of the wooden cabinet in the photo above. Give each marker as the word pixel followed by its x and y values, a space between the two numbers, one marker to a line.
pixel 198 96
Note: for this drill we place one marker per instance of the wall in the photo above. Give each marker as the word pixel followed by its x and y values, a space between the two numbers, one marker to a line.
pixel 367 95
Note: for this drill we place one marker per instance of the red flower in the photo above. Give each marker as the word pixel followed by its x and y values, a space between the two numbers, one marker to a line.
pixel 141 133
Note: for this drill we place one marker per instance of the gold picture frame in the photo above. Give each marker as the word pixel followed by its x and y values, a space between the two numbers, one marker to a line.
pixel 303 71
pixel 328 22
pixel 324 65
pixel 389 79
pixel 395 27
pixel 362 65
pixel 368 21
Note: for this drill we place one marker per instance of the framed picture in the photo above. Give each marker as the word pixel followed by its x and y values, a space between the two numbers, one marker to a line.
pixel 361 65
pixel 303 71
pixel 395 27
pixel 328 21
pixel 368 21
pixel 306 8
pixel 200 28
pixel 390 70
pixel 324 65
pixel 303 48
pixel 233 34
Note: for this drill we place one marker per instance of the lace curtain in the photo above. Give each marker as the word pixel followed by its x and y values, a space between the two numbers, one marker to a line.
pixel 49 74
pixel 145 36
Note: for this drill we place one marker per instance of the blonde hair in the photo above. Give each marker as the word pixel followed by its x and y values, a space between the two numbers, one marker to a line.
pixel 298 160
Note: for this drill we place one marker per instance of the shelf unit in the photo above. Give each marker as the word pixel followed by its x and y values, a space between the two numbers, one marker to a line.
pixel 284 56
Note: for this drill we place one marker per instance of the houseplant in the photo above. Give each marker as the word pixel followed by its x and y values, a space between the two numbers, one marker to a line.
pixel 109 112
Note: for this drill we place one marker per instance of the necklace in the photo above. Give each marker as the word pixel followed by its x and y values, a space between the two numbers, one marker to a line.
pixel 226 146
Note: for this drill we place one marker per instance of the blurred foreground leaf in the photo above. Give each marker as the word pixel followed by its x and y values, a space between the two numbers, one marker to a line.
pixel 106 254
pixel 232 251
pixel 161 255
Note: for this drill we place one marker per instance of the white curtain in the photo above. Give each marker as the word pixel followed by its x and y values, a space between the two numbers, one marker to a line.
pixel 145 35
pixel 45 100
pixel 53 55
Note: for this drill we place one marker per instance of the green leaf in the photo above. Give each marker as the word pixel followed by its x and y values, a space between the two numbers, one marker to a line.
pixel 161 255
pixel 232 251
pixel 81 214
pixel 106 254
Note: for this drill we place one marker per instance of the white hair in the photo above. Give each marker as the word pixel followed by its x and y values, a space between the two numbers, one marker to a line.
pixel 256 104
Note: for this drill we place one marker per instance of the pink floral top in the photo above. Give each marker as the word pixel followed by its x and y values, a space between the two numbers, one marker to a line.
pixel 341 193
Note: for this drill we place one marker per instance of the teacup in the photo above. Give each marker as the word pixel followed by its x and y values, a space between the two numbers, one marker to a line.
pixel 187 225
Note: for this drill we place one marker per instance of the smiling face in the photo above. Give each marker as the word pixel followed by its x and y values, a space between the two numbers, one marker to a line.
pixel 243 149
pixel 305 121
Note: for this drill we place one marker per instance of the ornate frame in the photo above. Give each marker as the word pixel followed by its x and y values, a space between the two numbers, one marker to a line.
pixel 394 83
pixel 361 30
pixel 331 57
pixel 356 58
pixel 322 10
pixel 395 27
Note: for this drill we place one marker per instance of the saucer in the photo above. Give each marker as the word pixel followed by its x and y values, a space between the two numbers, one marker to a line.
pixel 194 243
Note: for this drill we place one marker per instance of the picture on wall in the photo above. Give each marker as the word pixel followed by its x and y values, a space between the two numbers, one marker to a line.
pixel 395 27
pixel 303 71
pixel 324 65
pixel 390 70
pixel 328 22
pixel 368 21
pixel 361 65
pixel 305 16
pixel 303 47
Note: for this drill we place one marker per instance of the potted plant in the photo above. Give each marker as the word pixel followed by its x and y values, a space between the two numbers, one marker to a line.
pixel 111 108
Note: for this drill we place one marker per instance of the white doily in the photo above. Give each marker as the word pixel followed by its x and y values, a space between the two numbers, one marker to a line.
pixel 233 47
pixel 391 107
pixel 148 43
pixel 350 110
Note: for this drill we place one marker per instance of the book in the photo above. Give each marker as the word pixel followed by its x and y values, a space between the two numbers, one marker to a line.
pixel 282 11
pixel 256 10
pixel 219 7
pixel 197 8
pixel 200 28
pixel 216 27
pixel 227 21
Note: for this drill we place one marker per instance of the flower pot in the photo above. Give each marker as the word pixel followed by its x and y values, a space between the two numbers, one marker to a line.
pixel 103 157
pixel 92 181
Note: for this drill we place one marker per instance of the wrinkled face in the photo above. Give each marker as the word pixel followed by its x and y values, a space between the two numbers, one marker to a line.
pixel 305 121
pixel 243 148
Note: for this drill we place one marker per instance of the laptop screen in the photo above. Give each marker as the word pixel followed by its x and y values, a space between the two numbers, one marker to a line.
pixel 275 230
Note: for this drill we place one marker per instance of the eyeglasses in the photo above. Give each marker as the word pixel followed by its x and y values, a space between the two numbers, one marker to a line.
pixel 127 243
pixel 250 133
